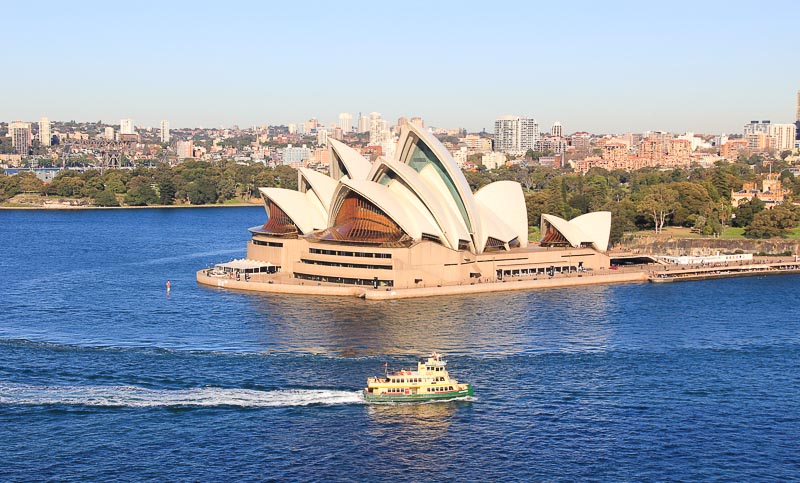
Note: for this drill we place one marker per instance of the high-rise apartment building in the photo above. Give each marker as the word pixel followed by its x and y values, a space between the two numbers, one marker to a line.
pixel 185 149
pixel 20 133
pixel 417 121
pixel 346 122
pixel 126 126
pixel 756 127
pixel 515 134
pixel 165 132
pixel 363 123
pixel 797 114
pixel 322 137
pixel 45 138
pixel 375 128
pixel 108 133
pixel 557 130
pixel 782 136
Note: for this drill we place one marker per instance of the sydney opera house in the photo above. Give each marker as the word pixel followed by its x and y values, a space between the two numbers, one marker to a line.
pixel 411 222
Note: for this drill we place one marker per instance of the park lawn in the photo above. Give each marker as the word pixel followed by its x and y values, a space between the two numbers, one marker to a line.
pixel 733 232
pixel 793 234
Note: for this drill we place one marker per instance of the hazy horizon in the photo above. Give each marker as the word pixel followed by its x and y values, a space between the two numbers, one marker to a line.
pixel 626 67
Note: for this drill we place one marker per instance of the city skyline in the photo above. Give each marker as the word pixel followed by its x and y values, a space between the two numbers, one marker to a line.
pixel 597 68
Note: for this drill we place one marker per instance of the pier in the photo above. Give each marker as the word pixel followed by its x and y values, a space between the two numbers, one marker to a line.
pixel 670 274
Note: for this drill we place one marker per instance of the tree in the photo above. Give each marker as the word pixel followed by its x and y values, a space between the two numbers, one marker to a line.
pixel 773 223
pixel 623 214
pixel 9 187
pixel 659 202
pixel 536 204
pixel 106 198
pixel 140 193
pixel 745 212
pixel 201 192
pixel 29 183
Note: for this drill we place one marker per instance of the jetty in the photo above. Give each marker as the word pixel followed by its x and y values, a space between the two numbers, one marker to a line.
pixel 674 274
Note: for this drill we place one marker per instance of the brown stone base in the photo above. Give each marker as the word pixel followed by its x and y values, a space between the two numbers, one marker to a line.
pixel 297 287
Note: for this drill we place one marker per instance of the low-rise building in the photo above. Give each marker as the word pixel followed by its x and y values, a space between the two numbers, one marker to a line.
pixel 771 192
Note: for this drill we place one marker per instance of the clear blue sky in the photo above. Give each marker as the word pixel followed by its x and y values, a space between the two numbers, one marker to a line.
pixel 595 66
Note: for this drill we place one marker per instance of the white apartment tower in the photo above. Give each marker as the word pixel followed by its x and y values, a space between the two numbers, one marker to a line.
pixel 375 128
pixel 782 136
pixel 108 133
pixel 45 136
pixel 346 122
pixel 515 134
pixel 557 130
pixel 126 126
pixel 165 132
pixel 363 123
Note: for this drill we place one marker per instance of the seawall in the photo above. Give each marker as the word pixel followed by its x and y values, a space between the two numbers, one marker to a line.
pixel 369 293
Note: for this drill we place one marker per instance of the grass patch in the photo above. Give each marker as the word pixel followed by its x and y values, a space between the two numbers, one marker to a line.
pixel 534 234
pixel 733 232
pixel 794 233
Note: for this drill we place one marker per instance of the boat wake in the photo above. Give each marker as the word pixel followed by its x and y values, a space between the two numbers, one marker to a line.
pixel 139 397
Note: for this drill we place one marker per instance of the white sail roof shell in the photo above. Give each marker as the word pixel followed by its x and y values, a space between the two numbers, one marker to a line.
pixel 357 166
pixel 453 172
pixel 413 222
pixel 494 226
pixel 505 200
pixel 322 185
pixel 594 228
pixel 304 209
pixel 597 226
pixel 443 214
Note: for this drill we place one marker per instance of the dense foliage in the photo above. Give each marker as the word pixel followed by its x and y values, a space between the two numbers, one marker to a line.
pixel 191 182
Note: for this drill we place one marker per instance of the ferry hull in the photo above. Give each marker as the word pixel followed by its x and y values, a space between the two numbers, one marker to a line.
pixel 370 398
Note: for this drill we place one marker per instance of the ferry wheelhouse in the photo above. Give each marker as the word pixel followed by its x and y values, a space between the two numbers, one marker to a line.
pixel 429 382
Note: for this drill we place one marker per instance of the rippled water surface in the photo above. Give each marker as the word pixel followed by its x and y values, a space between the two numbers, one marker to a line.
pixel 105 377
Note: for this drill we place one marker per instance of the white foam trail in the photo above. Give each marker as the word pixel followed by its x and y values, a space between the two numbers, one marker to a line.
pixel 139 397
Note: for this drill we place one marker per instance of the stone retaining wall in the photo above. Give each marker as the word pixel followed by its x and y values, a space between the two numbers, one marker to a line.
pixel 706 246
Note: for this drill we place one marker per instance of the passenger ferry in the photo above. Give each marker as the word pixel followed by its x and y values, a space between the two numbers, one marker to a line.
pixel 429 382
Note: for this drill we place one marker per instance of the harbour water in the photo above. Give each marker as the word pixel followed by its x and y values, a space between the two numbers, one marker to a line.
pixel 103 376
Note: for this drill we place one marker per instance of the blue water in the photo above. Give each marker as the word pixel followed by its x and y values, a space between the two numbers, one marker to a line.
pixel 105 377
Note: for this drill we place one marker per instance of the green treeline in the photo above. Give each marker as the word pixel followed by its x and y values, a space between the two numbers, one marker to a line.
pixel 647 199
pixel 191 182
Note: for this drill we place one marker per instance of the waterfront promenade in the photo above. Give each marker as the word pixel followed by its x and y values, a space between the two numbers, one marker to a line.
pixel 285 284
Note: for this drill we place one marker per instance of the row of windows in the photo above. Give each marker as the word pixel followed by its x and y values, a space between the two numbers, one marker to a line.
pixel 439 389
pixel 551 270
pixel 340 253
pixel 267 243
pixel 346 265
pixel 414 379
pixel 349 281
